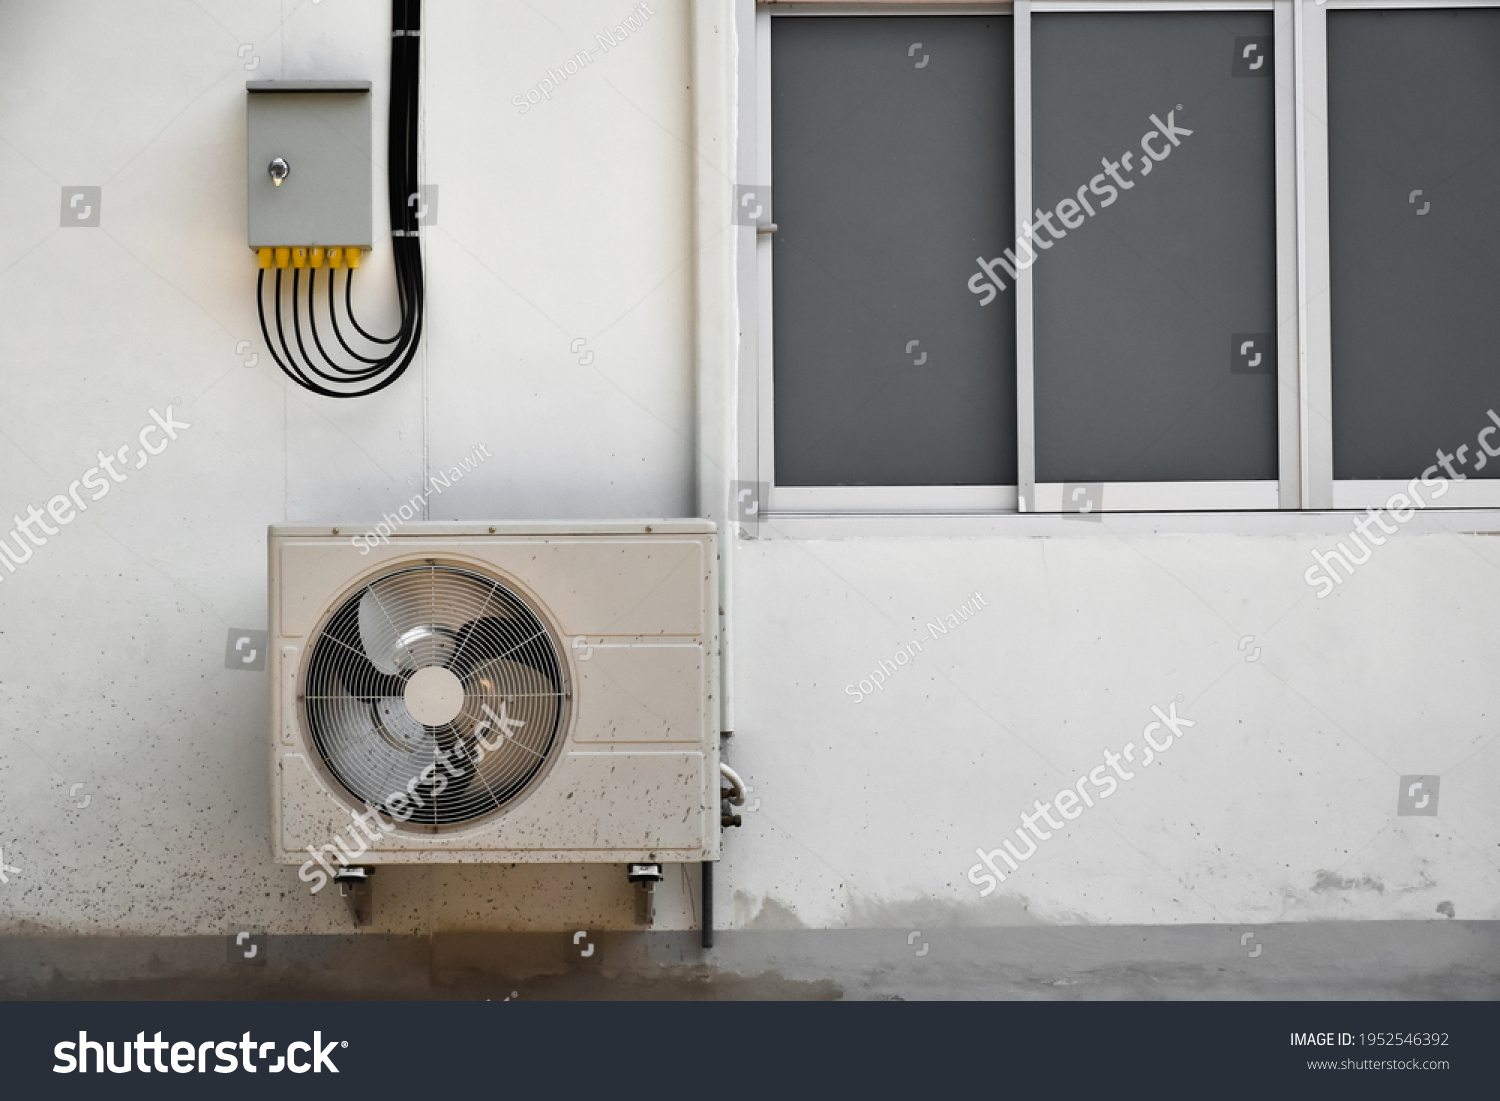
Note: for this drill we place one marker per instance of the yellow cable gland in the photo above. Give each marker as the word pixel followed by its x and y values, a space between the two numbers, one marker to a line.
pixel 283 257
pixel 335 258
pixel 351 257
pixel 315 258
pixel 299 257
pixel 263 257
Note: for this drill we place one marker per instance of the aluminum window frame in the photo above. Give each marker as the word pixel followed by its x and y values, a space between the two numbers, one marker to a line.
pixel 1304 404
pixel 835 500
pixel 1349 493
pixel 1238 496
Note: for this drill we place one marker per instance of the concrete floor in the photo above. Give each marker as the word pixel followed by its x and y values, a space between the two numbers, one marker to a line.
pixel 1447 960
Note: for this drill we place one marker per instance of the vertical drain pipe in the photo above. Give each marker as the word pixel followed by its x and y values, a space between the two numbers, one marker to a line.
pixel 716 343
pixel 708 904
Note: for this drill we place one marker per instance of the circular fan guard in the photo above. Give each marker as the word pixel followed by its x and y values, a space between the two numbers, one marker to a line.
pixel 490 720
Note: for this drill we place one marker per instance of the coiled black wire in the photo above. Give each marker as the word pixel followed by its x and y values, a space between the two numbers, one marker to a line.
pixel 381 367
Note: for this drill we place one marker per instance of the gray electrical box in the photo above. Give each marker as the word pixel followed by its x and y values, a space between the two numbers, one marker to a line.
pixel 307 163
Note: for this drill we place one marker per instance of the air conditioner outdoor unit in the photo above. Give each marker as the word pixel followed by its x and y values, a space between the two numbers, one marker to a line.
pixel 500 692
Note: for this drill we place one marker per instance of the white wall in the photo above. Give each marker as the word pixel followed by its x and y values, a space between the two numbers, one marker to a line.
pixel 1279 804
pixel 575 220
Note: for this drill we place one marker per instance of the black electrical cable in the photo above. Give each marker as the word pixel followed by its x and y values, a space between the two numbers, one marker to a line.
pixel 294 371
pixel 349 308
pixel 286 350
pixel 401 185
pixel 334 317
pixel 297 330
pixel 298 371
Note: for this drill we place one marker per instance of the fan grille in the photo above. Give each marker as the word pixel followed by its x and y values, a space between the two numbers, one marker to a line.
pixel 486 720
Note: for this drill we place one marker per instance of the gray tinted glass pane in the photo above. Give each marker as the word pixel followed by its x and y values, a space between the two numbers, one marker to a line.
pixel 892 164
pixel 1414 227
pixel 1156 316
